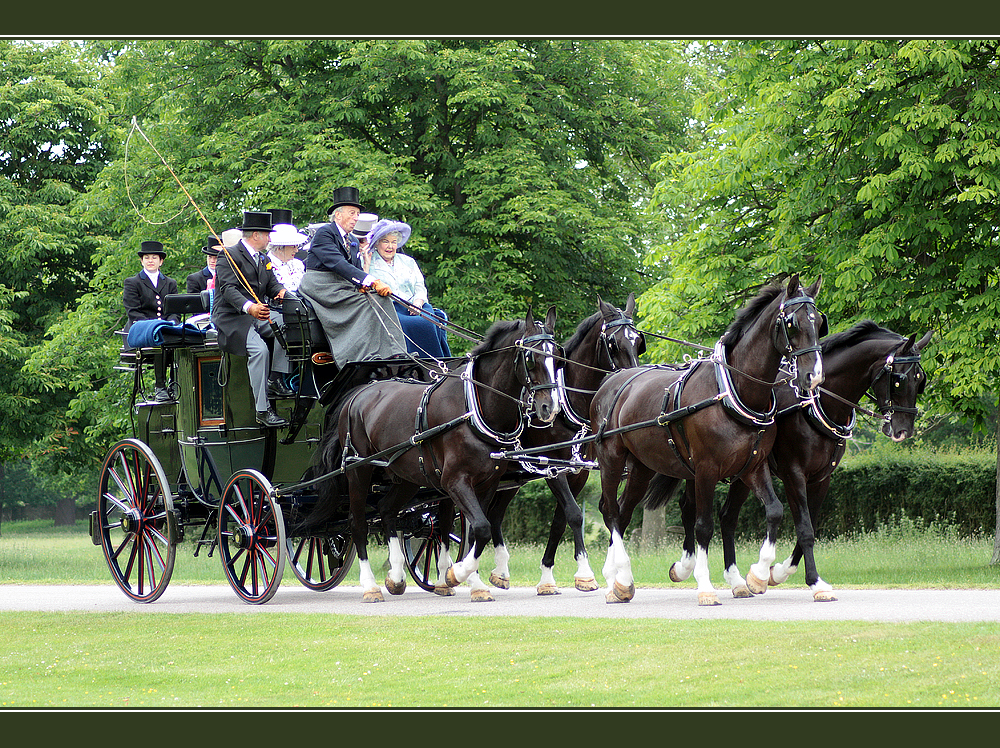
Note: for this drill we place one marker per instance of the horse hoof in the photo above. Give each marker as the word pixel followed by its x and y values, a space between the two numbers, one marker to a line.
pixel 586 585
pixel 373 596
pixel 620 593
pixel 547 589
pixel 757 586
pixel 481 596
pixel 742 592
pixel 499 582
pixel 770 579
pixel 708 598
pixel 443 590
pixel 394 588
pixel 673 574
pixel 450 579
pixel 824 596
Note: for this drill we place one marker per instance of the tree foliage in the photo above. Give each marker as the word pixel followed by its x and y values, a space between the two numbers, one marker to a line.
pixel 872 162
pixel 52 124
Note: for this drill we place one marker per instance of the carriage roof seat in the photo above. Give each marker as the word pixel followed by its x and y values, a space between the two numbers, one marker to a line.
pixel 186 304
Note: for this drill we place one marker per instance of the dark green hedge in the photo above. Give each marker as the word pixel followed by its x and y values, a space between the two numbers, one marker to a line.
pixel 867 491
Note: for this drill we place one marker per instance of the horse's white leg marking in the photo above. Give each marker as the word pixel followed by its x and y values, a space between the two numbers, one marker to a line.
pixel 762 568
pixel 682 569
pixel 620 563
pixel 396 569
pixel 464 568
pixel 548 578
pixel 444 563
pixel 583 570
pixel 701 572
pixel 367 578
pixel 781 572
pixel 736 582
pixel 501 556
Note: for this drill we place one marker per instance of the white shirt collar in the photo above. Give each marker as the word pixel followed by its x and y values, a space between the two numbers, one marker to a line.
pixel 154 278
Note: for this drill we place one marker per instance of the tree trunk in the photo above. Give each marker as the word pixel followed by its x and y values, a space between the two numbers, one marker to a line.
pixel 654 529
pixel 996 533
pixel 66 511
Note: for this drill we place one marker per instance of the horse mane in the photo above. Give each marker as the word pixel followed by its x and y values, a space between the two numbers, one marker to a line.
pixel 576 339
pixel 864 330
pixel 746 316
pixel 498 330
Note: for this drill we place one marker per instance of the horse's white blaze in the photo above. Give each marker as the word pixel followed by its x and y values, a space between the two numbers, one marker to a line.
pixel 396 560
pixel 701 572
pixel 684 567
pixel 367 578
pixel 818 375
pixel 550 367
pixel 501 557
pixel 762 568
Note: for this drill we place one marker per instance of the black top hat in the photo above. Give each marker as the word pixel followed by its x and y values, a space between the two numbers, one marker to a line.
pixel 212 246
pixel 151 248
pixel 345 196
pixel 280 215
pixel 256 221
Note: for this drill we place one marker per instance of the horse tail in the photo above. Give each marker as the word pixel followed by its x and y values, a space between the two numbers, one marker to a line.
pixel 328 459
pixel 660 491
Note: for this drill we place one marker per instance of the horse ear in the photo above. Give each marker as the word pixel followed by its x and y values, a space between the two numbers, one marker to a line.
pixel 793 286
pixel 550 318
pixel 630 304
pixel 813 290
pixel 924 340
pixel 529 320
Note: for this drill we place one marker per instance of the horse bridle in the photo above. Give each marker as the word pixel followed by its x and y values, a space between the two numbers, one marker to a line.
pixel 896 380
pixel 607 337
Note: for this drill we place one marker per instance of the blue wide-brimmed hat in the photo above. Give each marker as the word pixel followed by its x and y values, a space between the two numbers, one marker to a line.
pixel 384 227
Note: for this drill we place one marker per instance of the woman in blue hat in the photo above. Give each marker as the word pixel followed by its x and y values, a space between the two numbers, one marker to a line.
pixel 400 272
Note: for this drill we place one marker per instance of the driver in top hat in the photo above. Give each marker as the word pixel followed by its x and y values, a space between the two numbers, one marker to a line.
pixel 358 326
pixel 243 283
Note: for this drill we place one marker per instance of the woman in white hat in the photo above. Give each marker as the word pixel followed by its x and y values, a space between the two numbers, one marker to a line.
pixel 288 269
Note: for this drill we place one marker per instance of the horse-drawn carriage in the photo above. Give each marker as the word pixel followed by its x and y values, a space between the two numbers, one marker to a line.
pixel 200 469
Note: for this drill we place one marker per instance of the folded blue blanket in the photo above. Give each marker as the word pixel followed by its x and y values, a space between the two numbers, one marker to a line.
pixel 148 333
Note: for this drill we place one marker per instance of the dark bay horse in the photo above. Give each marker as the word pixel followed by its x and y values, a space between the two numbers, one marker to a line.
pixel 605 341
pixel 811 440
pixel 664 420
pixel 441 436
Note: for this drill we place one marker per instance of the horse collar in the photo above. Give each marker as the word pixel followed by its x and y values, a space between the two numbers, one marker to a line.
pixel 478 421
pixel 731 399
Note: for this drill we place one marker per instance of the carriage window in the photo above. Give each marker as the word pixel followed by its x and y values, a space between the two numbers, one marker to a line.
pixel 210 412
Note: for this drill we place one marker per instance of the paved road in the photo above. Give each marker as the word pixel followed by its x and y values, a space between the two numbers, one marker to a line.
pixel 777 604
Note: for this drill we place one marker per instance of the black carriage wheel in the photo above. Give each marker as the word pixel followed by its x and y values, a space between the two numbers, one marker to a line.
pixel 423 545
pixel 251 537
pixel 135 521
pixel 321 563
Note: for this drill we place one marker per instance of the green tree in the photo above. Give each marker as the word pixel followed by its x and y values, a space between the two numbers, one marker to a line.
pixel 51 148
pixel 873 162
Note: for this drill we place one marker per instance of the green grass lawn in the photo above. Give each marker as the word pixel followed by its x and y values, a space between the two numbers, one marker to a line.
pixel 328 661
